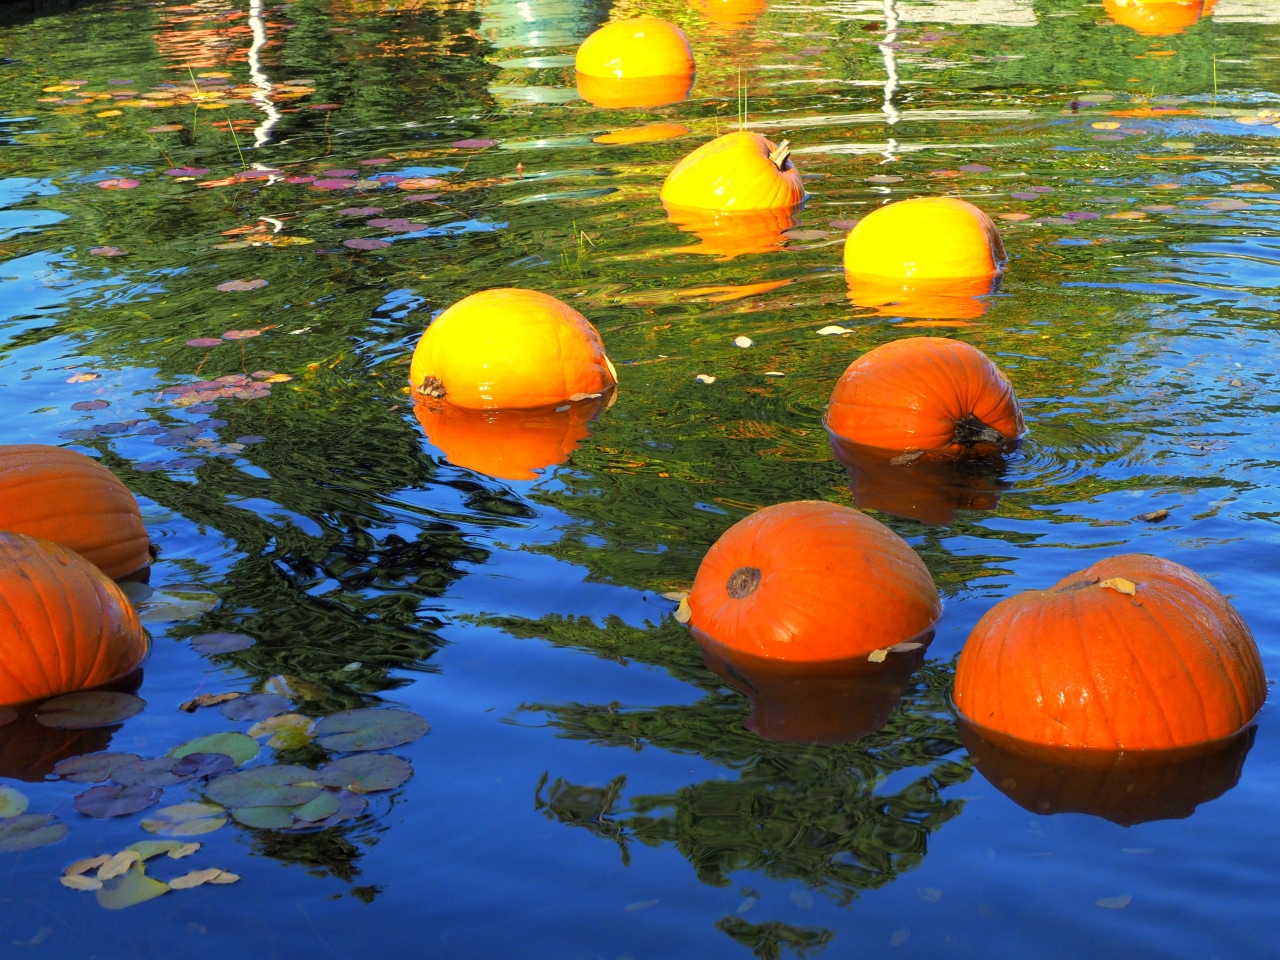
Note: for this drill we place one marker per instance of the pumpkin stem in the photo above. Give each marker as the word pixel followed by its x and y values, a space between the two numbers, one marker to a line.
pixel 971 431
pixel 743 582
pixel 431 387
pixel 780 154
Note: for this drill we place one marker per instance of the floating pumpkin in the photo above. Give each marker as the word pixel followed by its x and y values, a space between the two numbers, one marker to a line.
pixel 736 172
pixel 727 235
pixel 63 625
pixel 507 444
pixel 643 62
pixel 927 238
pixel 1156 18
pixel 812 581
pixel 63 496
pixel 1134 653
pixel 1125 788
pixel 835 702
pixel 634 93
pixel 730 13
pixel 510 349
pixel 930 488
pixel 924 299
pixel 925 393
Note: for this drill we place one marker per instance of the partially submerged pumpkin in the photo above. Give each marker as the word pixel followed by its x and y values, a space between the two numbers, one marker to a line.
pixel 1133 653
pixel 735 172
pixel 925 394
pixel 812 581
pixel 644 62
pixel 634 93
pixel 63 625
pixel 73 500
pixel 926 238
pixel 511 349
pixel 943 300
pixel 726 234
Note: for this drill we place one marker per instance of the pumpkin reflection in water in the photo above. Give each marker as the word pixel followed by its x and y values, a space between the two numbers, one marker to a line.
pixel 941 300
pixel 920 486
pixel 1125 788
pixel 730 13
pixel 509 444
pixel 728 235
pixel 1158 18
pixel 829 702
pixel 634 93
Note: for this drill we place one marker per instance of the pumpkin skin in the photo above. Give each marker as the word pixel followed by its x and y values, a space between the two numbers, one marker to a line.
pixel 728 235
pixel 925 238
pixel 1083 665
pixel 923 299
pixel 930 488
pixel 734 173
pixel 632 49
pixel 1156 18
pixel 634 93
pixel 70 499
pixel 507 444
pixel 1125 788
pixel 63 625
pixel 808 582
pixel 510 349
pixel 836 702
pixel 925 393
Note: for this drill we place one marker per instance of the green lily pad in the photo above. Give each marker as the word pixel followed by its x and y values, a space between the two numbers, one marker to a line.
pixel 356 730
pixel 264 818
pixel 28 831
pixel 133 888
pixel 321 808
pixel 92 708
pixel 366 773
pixel 93 767
pixel 237 746
pixel 280 785
pixel 185 820
pixel 153 848
pixel 113 800
pixel 12 802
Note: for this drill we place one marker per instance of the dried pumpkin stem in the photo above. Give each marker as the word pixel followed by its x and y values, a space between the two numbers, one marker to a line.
pixel 971 431
pixel 431 387
pixel 780 154
pixel 743 582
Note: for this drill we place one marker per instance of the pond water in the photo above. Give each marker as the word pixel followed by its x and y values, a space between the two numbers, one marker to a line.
pixel 589 788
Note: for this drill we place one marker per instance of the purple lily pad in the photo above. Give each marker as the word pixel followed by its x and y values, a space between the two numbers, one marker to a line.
pixel 341 173
pixel 148 773
pixel 89 405
pixel 185 463
pixel 332 184
pixel 105 802
pixel 256 706
pixel 93 767
pixel 240 286
pixel 110 429
pixel 205 342
pixel 359 211
pixel 377 160
pixel 300 180
pixel 187 172
pixel 195 766
pixel 1081 215
pixel 239 335
pixel 203 408
pixel 1041 189
pixel 108 252
pixel 975 168
pixel 475 143
pixel 257 174
pixel 148 466
pixel 366 243
pixel 421 197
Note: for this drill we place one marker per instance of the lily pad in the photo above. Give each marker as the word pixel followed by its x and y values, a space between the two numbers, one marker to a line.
pixel 85 711
pixel 12 803
pixel 350 806
pixel 264 818
pixel 221 642
pixel 197 765
pixel 366 773
pixel 237 746
pixel 256 706
pixel 287 731
pixel 279 785
pixel 28 831
pixel 113 800
pixel 93 767
pixel 186 820
pixel 153 848
pixel 152 773
pixel 356 730
pixel 321 808
pixel 133 888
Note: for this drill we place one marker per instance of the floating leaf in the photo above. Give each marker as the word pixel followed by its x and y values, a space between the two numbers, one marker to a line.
pixel 366 243
pixel 241 334
pixel 207 700
pixel 197 765
pixel 280 785
pixel 28 831
pixel 186 820
pixel 108 252
pixel 360 212
pixel 94 767
pixel 82 378
pixel 264 818
pixel 287 731
pixel 118 865
pixel 85 865
pixel 205 342
pixel 165 128
pixel 350 806
pixel 366 773
pixel 77 882
pixel 152 773
pixel 256 706
pixel 187 172
pixel 878 656
pixel 365 729
pixel 133 888
pixel 12 803
pixel 193 879
pixel 225 876
pixel 120 183
pixel 210 643
pixel 833 331
pixel 186 850
pixel 85 711
pixel 742 342
pixel 474 144
pixel 146 849
pixel 683 613
pixel 705 378
pixel 321 808
pixel 178 603
pixel 1155 516
pixel 114 800
pixel 237 746
pixel 241 286
pixel 1121 585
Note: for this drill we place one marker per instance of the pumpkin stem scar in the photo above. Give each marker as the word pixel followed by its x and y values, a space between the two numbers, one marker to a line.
pixel 431 387
pixel 971 431
pixel 1077 585
pixel 743 582
pixel 780 154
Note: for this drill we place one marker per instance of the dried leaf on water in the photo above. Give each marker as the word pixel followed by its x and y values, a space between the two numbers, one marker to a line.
pixel 241 286
pixel 193 879
pixel 13 803
pixel 198 765
pixel 85 711
pixel 77 882
pixel 207 700
pixel 878 656
pixel 186 820
pixel 119 864
pixel 364 729
pixel 28 831
pixel 683 612
pixel 830 331
pixel 286 731
pixel 1121 585
pixel 146 849
pixel 1155 516
pixel 705 378
pixel 85 865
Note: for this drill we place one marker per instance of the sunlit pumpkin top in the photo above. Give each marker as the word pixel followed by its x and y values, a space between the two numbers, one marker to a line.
pixel 631 49
pixel 738 171
pixel 925 238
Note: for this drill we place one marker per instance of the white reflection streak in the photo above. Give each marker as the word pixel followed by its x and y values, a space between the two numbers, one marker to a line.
pixel 262 133
pixel 890 56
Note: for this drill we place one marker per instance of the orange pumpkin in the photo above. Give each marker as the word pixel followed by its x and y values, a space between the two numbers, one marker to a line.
pixel 63 496
pixel 642 47
pixel 730 13
pixel 926 238
pixel 810 581
pixel 837 702
pixel 930 488
pixel 738 171
pixel 634 93
pixel 507 444
pixel 1134 653
pixel 63 625
pixel 510 349
pixel 925 393
pixel 728 235
pixel 1156 18
pixel 1125 788
pixel 924 299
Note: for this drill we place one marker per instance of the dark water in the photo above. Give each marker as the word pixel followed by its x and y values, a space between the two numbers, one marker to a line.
pixel 589 788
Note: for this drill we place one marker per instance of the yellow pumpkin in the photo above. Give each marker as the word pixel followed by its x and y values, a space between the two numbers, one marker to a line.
pixel 643 47
pixel 958 299
pixel 513 349
pixel 727 235
pixel 639 93
pixel 736 172
pixel 927 238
